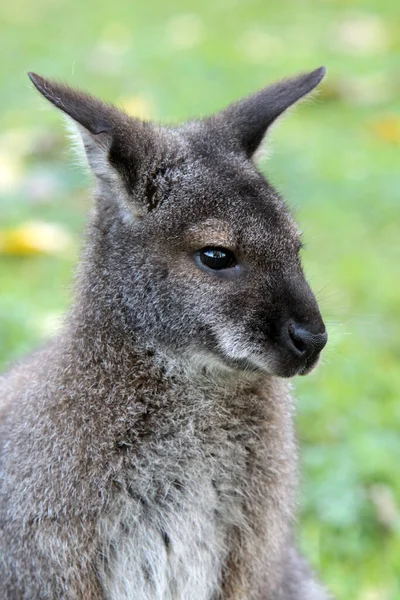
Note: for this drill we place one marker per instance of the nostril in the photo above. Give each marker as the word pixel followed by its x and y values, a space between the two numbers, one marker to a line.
pixel 303 342
pixel 297 338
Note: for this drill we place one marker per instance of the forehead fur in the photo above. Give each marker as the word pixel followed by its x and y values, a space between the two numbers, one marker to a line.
pixel 210 197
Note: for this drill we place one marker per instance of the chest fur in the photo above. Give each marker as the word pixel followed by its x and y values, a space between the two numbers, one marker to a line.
pixel 183 499
pixel 167 550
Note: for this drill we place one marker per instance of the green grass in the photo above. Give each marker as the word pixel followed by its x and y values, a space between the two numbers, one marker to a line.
pixel 334 159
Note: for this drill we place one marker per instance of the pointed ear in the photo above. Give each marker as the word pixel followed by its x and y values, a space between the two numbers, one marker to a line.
pixel 113 142
pixel 93 119
pixel 246 122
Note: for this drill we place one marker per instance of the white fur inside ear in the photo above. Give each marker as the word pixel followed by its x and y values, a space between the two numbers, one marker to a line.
pixel 265 149
pixel 92 150
pixel 263 152
pixel 76 142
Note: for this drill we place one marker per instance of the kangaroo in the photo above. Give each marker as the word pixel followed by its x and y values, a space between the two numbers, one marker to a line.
pixel 148 451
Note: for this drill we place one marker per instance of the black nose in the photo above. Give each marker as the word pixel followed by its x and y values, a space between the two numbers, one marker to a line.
pixel 304 342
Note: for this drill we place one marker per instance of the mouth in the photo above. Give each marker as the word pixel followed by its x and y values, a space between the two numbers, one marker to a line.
pixel 276 368
pixel 280 366
pixel 310 365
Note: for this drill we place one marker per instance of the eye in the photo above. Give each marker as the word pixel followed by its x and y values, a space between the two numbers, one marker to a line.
pixel 217 258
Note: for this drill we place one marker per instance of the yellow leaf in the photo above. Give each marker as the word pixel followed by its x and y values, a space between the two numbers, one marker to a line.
pixel 387 128
pixel 34 237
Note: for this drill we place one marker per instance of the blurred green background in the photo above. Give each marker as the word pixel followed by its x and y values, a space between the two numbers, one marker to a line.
pixel 335 158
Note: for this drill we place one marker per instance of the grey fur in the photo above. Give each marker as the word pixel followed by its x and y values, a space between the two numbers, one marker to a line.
pixel 148 451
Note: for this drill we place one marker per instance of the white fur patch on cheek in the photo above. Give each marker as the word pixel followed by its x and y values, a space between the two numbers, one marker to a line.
pixel 235 345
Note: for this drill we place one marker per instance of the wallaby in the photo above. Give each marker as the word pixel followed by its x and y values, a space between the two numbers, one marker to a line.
pixel 148 451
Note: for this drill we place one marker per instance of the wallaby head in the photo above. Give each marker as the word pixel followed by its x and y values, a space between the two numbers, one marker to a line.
pixel 190 249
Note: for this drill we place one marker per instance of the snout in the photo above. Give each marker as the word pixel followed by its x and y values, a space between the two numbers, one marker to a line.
pixel 304 343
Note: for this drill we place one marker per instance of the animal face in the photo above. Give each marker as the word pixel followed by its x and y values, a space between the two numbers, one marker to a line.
pixel 190 247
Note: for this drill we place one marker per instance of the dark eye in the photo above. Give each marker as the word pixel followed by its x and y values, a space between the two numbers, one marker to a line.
pixel 217 258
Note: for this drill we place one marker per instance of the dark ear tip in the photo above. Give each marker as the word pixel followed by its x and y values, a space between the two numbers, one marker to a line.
pixel 319 73
pixel 37 80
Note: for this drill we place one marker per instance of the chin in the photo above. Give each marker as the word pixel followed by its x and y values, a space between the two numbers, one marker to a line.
pixel 308 368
